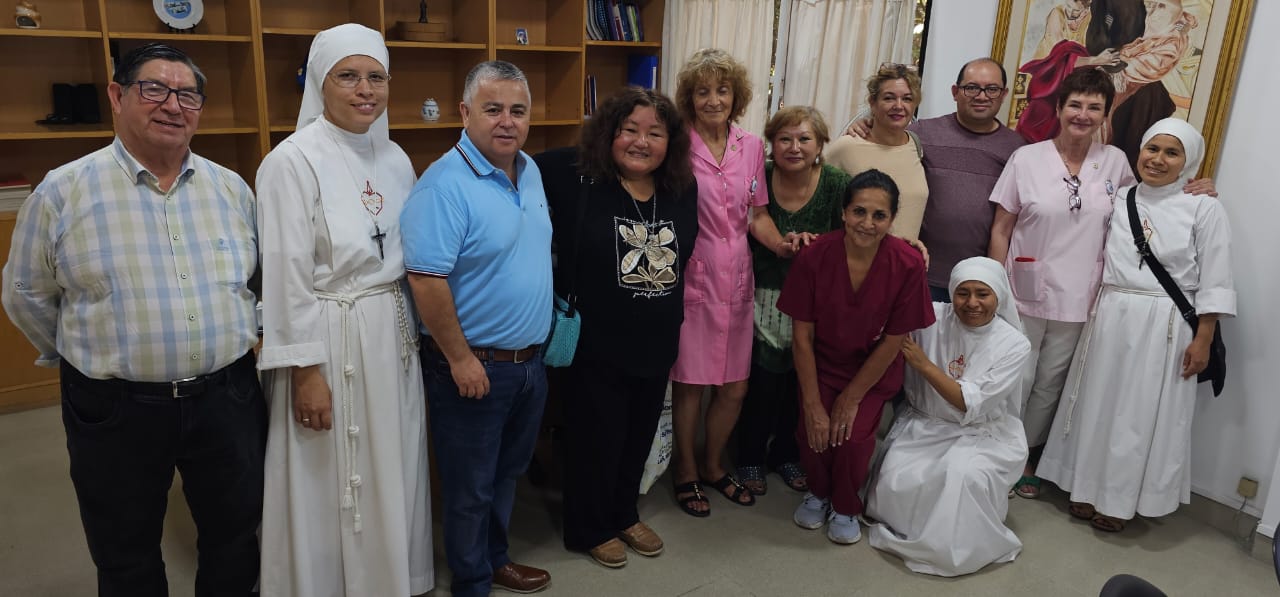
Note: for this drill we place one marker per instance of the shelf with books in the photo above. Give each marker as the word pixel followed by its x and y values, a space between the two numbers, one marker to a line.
pixel 623 21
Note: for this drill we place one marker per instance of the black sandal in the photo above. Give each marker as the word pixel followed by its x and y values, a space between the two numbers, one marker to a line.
pixel 694 488
pixel 723 485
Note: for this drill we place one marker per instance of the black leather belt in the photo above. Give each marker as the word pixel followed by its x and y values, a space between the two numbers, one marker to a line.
pixel 178 388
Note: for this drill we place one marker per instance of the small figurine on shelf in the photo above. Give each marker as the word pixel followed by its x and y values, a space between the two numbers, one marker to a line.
pixel 25 16
pixel 422 11
pixel 430 110
pixel 522 36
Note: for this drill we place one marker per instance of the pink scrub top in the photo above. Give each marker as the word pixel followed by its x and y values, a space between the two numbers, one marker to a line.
pixel 893 299
pixel 1066 244
pixel 715 338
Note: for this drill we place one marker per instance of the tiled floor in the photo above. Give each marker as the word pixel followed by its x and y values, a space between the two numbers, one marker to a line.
pixel 737 552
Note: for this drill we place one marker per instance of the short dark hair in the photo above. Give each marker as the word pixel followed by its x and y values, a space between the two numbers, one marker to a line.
pixel 1004 76
pixel 1087 81
pixel 873 179
pixel 132 61
pixel 595 151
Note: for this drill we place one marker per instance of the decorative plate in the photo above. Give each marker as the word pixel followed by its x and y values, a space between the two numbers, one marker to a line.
pixel 179 14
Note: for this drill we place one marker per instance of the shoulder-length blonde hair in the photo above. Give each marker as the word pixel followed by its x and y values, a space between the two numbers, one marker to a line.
pixel 715 65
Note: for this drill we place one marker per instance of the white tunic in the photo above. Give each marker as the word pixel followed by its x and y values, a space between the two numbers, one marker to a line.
pixel 346 510
pixel 1121 439
pixel 942 493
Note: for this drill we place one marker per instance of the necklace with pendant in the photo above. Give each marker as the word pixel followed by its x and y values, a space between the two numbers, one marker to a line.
pixel 648 224
pixel 370 198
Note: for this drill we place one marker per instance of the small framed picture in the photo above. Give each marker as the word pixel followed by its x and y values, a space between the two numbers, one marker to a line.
pixel 522 36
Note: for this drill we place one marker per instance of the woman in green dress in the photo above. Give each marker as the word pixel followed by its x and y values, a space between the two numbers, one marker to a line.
pixel 804 201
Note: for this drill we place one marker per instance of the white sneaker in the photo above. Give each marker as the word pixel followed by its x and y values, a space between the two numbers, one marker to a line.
pixel 812 512
pixel 843 529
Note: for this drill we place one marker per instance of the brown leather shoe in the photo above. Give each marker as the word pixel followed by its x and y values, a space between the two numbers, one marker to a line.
pixel 521 579
pixel 610 554
pixel 642 539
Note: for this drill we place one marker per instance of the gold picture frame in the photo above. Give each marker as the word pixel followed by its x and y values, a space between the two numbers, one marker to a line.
pixel 1037 40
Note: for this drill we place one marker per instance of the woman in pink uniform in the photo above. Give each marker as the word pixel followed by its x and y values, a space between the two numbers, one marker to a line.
pixel 712 92
pixel 1053 202
pixel 853 296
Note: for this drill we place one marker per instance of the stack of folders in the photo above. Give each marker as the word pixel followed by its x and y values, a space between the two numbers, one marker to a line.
pixel 614 20
pixel 642 71
pixel 13 192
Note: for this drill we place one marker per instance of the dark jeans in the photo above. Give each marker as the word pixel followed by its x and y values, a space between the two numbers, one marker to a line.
pixel 124 448
pixel 939 294
pixel 481 447
pixel 769 409
pixel 610 419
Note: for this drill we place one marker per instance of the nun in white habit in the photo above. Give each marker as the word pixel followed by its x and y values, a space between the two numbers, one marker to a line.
pixel 941 495
pixel 1121 440
pixel 345 510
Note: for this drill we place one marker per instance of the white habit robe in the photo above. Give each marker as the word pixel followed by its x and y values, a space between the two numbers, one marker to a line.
pixel 1121 440
pixel 942 492
pixel 346 510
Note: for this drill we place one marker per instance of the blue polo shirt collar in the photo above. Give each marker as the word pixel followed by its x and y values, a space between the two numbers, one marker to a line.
pixel 480 165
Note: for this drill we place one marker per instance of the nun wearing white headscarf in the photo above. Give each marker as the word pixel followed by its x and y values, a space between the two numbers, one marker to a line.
pixel 1121 440
pixel 345 510
pixel 941 495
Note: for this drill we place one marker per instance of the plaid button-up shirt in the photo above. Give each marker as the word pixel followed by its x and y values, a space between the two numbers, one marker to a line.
pixel 124 280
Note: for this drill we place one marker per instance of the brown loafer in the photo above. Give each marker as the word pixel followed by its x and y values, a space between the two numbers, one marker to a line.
pixel 642 539
pixel 610 554
pixel 521 579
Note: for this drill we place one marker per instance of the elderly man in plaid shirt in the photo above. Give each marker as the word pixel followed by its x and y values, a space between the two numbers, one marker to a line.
pixel 130 271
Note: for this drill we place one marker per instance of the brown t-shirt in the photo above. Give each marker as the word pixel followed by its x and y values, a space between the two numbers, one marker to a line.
pixel 902 163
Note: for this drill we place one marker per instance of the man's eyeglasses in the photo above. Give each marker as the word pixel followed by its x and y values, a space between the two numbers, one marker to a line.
pixel 350 78
pixel 992 91
pixel 1073 187
pixel 159 93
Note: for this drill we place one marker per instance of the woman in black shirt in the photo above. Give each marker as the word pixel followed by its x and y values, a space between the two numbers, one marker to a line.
pixel 634 237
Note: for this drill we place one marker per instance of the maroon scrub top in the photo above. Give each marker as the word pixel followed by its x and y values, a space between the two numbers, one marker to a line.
pixel 893 299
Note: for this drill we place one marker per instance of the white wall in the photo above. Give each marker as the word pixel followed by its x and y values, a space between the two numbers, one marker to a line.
pixel 959 31
pixel 1237 433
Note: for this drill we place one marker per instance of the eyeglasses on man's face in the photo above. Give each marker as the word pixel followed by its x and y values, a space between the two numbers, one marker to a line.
pixel 350 78
pixel 991 91
pixel 158 93
pixel 1073 190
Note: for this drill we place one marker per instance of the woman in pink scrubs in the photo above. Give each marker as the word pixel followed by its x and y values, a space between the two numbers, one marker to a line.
pixel 712 92
pixel 1053 202
pixel 853 296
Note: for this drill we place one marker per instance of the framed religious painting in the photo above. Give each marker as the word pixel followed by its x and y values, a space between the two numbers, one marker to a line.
pixel 1166 57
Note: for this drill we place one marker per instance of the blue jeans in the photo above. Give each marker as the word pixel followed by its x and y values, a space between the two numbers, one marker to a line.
pixel 481 447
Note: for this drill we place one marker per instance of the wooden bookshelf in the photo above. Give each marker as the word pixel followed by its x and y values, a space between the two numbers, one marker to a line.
pixel 251 51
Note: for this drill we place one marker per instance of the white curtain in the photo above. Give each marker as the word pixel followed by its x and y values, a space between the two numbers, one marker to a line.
pixel 833 46
pixel 743 28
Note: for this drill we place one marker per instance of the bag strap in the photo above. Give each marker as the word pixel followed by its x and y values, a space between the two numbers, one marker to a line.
pixel 1162 275
pixel 584 195
pixel 919 147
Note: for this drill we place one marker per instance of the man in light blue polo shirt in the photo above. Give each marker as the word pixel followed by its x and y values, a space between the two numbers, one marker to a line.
pixel 477 245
